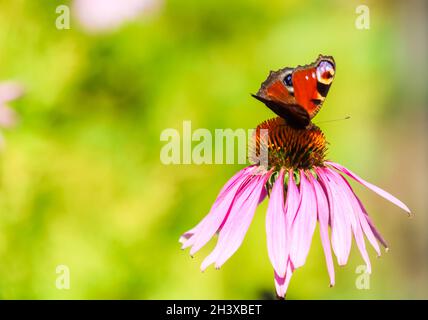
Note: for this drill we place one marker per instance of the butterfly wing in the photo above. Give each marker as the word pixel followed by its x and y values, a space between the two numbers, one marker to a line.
pixel 311 83
pixel 293 113
pixel 297 94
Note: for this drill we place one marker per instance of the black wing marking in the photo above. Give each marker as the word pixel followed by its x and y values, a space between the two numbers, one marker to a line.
pixel 294 114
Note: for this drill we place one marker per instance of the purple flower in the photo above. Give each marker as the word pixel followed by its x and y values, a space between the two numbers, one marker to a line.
pixel 303 189
pixel 9 91
pixel 106 15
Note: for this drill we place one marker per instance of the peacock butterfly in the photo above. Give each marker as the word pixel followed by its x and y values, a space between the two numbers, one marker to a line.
pixel 297 94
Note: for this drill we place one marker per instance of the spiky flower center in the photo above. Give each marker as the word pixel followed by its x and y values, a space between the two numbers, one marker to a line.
pixel 288 147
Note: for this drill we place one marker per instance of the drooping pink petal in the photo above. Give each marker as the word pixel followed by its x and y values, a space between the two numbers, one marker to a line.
pixel 341 232
pixel 293 199
pixel 374 188
pixel 281 283
pixel 353 210
pixel 323 219
pixel 263 195
pixel 185 236
pixel 372 226
pixel 240 216
pixel 368 231
pixel 276 227
pixel 362 217
pixel 205 230
pixel 303 226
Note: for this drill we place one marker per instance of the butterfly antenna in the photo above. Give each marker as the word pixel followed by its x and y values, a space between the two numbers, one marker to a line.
pixel 334 120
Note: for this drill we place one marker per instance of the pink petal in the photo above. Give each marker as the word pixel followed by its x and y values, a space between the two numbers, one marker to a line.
pixel 241 214
pixel 362 217
pixel 374 188
pixel 372 226
pixel 185 236
pixel 281 283
pixel 353 210
pixel 323 218
pixel 341 233
pixel 205 230
pixel 276 227
pixel 263 193
pixel 304 224
pixel 293 198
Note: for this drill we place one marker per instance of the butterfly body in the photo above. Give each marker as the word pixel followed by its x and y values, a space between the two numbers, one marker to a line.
pixel 297 94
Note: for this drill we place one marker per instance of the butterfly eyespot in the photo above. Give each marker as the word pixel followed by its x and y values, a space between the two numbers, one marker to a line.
pixel 288 81
pixel 325 72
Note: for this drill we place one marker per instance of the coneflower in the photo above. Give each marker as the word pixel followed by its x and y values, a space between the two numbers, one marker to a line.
pixel 304 188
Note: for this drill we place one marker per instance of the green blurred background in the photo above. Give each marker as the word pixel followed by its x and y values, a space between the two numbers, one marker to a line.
pixel 82 184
